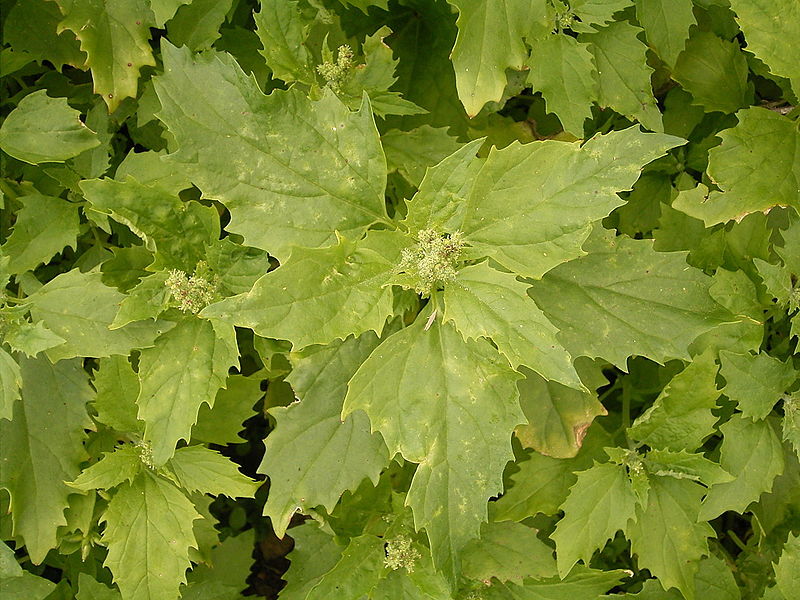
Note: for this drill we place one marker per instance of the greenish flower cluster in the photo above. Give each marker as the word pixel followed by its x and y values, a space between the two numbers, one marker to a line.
pixel 400 553
pixel 335 73
pixel 433 260
pixel 192 293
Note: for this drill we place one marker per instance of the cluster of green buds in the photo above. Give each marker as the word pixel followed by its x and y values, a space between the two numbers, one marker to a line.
pixel 192 293
pixel 400 553
pixel 433 260
pixel 335 73
pixel 145 451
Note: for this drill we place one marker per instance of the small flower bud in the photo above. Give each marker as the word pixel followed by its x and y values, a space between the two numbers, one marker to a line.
pixel 401 553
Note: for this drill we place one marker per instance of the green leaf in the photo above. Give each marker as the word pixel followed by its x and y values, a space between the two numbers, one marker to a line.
pixel 164 10
pixel 355 574
pixel 30 27
pixel 456 421
pixel 483 302
pixel 507 552
pixel 599 504
pixel 768 28
pixel 312 456
pixel 563 70
pixel 30 338
pixel 80 308
pixel 315 553
pixel 667 536
pixel 196 24
pixel 755 166
pixel 91 589
pixel 666 24
pixel 200 469
pixel 185 369
pixel 714 71
pixel 530 233
pixel 281 30
pixel 786 570
pixel 681 417
pixel 320 294
pixel 791 421
pixel 752 453
pixel 236 267
pixel 114 468
pixel 542 483
pixel 489 41
pixel 10 384
pixel 595 12
pixel 148 535
pixel 755 382
pixel 117 388
pixel 580 583
pixel 625 299
pixel 221 423
pixel 17 584
pixel 684 465
pixel 623 74
pixel 147 300
pixel 410 153
pixel 304 170
pixel 177 231
pixel 44 129
pixel 115 36
pixel 42 448
pixel 558 416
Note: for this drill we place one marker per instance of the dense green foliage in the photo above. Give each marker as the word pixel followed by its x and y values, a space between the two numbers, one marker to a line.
pixel 511 285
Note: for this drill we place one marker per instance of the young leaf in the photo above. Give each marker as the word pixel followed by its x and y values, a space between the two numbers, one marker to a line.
pixel 484 302
pixel 281 29
pixel 42 448
pixel 117 389
pixel 456 422
pixel 44 226
pixel 666 24
pixel 16 583
pixel 320 294
pixel 411 153
pixel 196 24
pixel 531 205
pixel 312 456
pixel 148 535
pixel 684 465
pixel 580 583
pixel 752 453
pixel 355 574
pixel 315 554
pixel 649 304
pixel 755 382
pixel 681 418
pixel 200 469
pixel 234 404
pixel 44 129
pixel 303 170
pixel 667 536
pixel 10 383
pixel 114 468
pixel 30 27
pixel 788 567
pixel 185 369
pixel 599 504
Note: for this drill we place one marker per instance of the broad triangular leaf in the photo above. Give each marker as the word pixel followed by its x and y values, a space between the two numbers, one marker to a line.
pixel 200 469
pixel 355 574
pixel 666 24
pixel 755 381
pixel 114 468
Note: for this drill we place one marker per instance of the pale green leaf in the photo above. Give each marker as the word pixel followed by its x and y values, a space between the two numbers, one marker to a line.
pixel 236 267
pixel 596 12
pixel 666 24
pixel 625 299
pixel 91 589
pixel 685 465
pixel 148 299
pixel 18 584
pixel 196 24
pixel 410 153
pixel 164 10
pixel 44 226
pixel 667 536
pixel 114 468
pixel 599 504
pixel 282 32
pixel 315 553
pixel 451 406
pixel 563 70
pixel 117 388
pixel 558 416
pixel 44 129
pixel 80 308
pixel 420 584
pixel 790 428
pixel 149 169
pixel 221 423
pixel 312 456
pixel 714 71
pixel 755 166
pixel 681 417
pixel 185 369
pixel 30 27
pixel 507 552
pixel 200 469
pixel 580 583
pixel 752 453
pixel 30 338
pixel 115 36
pixel 531 205
pixel 787 570
pixel 355 574
pixel 226 574
pixel 623 74
pixel 303 170
pixel 148 535
pixel 484 302
pixel 42 448
pixel 10 383
pixel 755 381
pixel 320 294
pixel 770 28
pixel 489 41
